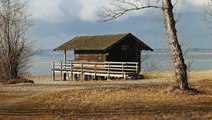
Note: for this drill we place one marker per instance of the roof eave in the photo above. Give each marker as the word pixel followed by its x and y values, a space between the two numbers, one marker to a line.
pixel 142 43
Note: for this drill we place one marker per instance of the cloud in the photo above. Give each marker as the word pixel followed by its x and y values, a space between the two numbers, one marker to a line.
pixel 194 5
pixel 59 11
pixel 89 10
pixel 47 11
pixel 197 3
pixel 53 11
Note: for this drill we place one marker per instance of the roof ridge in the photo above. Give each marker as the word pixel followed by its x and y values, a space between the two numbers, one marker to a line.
pixel 95 42
pixel 99 35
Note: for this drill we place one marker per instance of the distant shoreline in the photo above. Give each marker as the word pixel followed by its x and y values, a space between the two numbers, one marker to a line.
pixel 189 53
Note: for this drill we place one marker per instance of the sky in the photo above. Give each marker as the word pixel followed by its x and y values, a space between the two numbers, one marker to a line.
pixel 57 21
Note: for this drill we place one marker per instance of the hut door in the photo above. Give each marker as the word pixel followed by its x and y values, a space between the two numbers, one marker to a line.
pixel 126 53
pixel 129 54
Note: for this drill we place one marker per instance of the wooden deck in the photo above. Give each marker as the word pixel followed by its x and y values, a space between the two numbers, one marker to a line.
pixel 75 70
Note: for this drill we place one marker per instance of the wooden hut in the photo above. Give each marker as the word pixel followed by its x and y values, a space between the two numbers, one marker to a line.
pixel 105 48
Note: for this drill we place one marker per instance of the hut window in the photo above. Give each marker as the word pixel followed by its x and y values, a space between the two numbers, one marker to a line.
pixel 124 47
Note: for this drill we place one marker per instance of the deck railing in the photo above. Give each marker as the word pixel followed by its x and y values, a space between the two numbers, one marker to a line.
pixel 94 69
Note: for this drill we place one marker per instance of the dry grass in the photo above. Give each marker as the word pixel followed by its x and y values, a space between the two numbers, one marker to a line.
pixel 128 102
pixel 163 74
pixel 169 74
pixel 4 98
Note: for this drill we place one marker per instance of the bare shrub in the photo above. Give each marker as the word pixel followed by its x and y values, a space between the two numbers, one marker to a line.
pixel 148 62
pixel 15 51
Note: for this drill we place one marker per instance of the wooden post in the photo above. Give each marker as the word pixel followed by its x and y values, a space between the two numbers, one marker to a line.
pixel 95 71
pixel 53 70
pixel 65 59
pixel 72 76
pixel 123 75
pixel 108 76
pixel 65 56
pixel 61 72
pixel 137 71
pixel 82 71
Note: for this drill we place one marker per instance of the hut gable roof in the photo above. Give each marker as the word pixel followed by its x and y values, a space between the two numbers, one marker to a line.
pixel 99 42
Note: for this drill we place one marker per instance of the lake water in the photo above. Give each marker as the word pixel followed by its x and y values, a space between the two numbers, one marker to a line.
pixel 42 63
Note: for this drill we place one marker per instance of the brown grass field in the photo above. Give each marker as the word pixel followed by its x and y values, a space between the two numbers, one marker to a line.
pixel 129 101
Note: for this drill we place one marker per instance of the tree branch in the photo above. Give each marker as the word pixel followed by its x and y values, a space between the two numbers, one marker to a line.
pixel 208 15
pixel 120 7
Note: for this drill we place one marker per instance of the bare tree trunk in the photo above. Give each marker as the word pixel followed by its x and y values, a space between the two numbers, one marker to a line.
pixel 120 7
pixel 177 55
